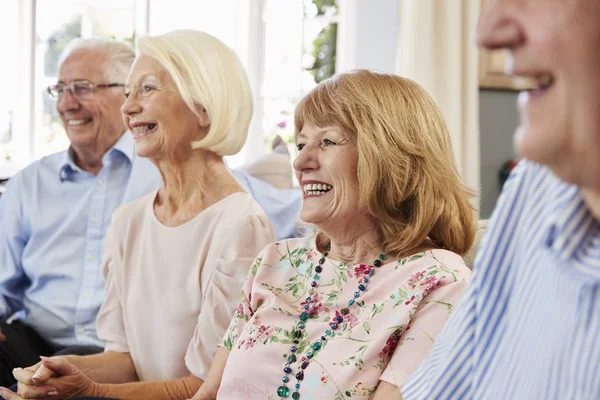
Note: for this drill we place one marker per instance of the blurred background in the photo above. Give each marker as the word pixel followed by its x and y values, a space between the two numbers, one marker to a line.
pixel 287 47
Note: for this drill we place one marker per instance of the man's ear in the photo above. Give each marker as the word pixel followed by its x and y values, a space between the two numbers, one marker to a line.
pixel 203 119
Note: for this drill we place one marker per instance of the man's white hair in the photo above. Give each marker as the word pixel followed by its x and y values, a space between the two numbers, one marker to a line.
pixel 118 63
pixel 207 74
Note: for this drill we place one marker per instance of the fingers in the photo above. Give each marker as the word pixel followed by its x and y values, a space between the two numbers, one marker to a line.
pixel 9 395
pixel 23 376
pixel 32 382
pixel 36 392
pixel 59 366
pixel 33 368
pixel 42 374
pixel 2 338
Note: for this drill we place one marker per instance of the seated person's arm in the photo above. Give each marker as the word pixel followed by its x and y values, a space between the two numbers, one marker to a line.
pixel 175 389
pixel 243 312
pixel 72 373
pixel 121 368
pixel 208 391
pixel 416 341
pixel 387 391
pixel 13 238
pixel 67 380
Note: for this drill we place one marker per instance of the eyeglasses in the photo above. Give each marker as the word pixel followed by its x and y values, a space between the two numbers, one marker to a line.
pixel 79 89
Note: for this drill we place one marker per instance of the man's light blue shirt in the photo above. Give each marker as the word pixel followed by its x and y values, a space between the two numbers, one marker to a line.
pixel 53 219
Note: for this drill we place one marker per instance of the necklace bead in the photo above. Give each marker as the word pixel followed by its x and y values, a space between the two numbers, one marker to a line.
pixel 297 333
pixel 283 391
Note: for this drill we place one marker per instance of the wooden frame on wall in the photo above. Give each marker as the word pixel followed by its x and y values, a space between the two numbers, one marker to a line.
pixel 491 69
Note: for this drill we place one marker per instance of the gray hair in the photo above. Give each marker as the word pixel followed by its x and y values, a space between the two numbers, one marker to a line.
pixel 117 65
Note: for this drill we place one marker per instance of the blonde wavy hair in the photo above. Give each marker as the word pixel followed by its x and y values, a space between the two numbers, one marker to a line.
pixel 407 175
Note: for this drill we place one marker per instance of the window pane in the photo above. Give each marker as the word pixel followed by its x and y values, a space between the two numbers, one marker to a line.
pixel 299 52
pixel 218 18
pixel 8 30
pixel 57 23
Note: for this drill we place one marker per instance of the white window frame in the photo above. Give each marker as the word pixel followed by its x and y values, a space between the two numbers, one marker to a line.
pixel 27 105
pixel 23 121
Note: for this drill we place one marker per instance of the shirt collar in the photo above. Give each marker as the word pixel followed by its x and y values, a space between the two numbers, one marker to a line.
pixel 125 145
pixel 573 231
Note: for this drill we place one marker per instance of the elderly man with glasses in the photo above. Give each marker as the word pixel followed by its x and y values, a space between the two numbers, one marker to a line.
pixel 55 212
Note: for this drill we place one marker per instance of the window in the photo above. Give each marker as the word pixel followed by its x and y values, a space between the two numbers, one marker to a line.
pixel 300 49
pixel 286 46
pixel 8 101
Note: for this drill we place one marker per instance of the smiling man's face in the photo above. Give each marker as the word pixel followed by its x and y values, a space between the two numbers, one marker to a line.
pixel 555 43
pixel 93 124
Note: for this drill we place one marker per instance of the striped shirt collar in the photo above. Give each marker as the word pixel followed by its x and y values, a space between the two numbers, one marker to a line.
pixel 574 233
pixel 125 145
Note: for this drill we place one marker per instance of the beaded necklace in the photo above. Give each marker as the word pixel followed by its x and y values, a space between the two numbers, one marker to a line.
pixel 283 391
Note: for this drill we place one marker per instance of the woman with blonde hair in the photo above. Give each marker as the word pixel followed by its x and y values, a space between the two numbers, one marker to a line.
pixel 352 313
pixel 175 259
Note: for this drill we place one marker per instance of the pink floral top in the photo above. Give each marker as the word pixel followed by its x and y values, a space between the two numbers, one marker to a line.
pixel 386 334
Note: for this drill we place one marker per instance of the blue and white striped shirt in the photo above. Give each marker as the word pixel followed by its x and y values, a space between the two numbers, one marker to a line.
pixel 529 324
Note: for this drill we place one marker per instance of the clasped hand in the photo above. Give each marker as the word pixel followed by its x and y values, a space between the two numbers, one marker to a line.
pixel 50 379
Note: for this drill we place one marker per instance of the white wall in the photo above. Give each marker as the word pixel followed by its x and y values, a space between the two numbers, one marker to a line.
pixel 367 35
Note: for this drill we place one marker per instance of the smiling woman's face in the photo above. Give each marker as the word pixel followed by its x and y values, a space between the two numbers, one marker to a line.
pixel 155 113
pixel 556 43
pixel 326 168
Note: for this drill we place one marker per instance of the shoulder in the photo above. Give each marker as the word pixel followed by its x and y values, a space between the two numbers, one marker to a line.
pixel 133 211
pixel 29 174
pixel 530 184
pixel 274 252
pixel 531 201
pixel 298 246
pixel 440 265
pixel 239 227
pixel 41 175
pixel 241 204
pixel 239 210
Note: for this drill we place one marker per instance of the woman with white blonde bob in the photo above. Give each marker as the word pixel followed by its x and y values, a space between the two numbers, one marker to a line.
pixel 175 260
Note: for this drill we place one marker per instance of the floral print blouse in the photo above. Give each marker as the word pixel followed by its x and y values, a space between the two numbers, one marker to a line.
pixel 384 336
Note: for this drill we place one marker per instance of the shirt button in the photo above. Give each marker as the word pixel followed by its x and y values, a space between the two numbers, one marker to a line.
pixel 94 220
pixel 81 330
pixel 85 294
pixel 100 181
pixel 91 258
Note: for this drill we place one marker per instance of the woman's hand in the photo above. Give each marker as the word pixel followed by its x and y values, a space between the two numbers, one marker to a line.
pixel 33 380
pixel 9 395
pixel 55 378
pixel 201 395
pixel 210 387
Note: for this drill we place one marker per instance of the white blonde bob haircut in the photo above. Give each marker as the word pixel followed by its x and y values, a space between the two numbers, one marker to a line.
pixel 207 74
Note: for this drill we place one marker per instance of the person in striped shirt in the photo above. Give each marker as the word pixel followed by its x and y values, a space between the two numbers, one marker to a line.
pixel 529 323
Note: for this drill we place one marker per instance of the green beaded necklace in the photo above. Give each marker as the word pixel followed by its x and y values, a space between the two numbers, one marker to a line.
pixel 283 390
